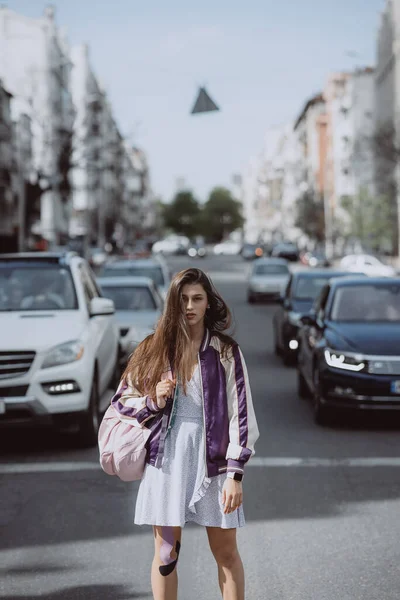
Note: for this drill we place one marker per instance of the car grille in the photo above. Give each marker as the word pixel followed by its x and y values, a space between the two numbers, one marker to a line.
pixel 13 391
pixel 15 364
pixel 384 367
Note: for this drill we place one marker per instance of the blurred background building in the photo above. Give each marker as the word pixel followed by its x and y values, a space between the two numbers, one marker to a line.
pixel 35 68
pixel 66 171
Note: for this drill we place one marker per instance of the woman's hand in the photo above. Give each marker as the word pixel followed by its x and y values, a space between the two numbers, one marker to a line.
pixel 164 390
pixel 232 495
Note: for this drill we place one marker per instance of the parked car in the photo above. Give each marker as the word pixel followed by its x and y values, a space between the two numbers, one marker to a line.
pixel 315 259
pixel 58 343
pixel 349 353
pixel 229 247
pixel 252 251
pixel 286 250
pixel 268 278
pixel 97 257
pixel 154 268
pixel 297 300
pixel 368 264
pixel 174 244
pixel 138 306
pixel 197 248
pixel 140 249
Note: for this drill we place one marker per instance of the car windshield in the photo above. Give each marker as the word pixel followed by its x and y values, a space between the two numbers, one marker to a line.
pixel 36 287
pixel 308 288
pixel 271 270
pixel 153 272
pixel 130 297
pixel 367 303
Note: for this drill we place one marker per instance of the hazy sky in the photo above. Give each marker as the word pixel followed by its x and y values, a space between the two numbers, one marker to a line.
pixel 259 59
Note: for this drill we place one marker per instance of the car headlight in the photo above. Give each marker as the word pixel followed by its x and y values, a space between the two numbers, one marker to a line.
pixel 346 362
pixel 63 354
pixel 294 318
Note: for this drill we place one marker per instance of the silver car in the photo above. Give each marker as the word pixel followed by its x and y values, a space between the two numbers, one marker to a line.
pixel 138 306
pixel 268 279
pixel 155 268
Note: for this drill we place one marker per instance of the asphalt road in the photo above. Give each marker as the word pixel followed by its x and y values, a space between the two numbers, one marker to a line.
pixel 322 504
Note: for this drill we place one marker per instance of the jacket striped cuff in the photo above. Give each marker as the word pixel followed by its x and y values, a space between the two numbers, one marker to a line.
pixel 235 466
pixel 148 411
pixel 152 406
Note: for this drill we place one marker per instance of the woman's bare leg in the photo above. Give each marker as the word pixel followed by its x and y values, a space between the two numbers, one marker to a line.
pixel 230 568
pixel 164 577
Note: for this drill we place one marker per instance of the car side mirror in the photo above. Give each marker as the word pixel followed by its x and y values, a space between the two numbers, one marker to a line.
pixel 287 304
pixel 101 307
pixel 309 320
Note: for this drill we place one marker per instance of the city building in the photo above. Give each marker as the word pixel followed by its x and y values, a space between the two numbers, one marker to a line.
pixel 8 191
pixel 310 131
pixel 387 80
pixel 277 193
pixel 387 112
pixel 112 199
pixel 35 69
pixel 335 152
pixel 250 198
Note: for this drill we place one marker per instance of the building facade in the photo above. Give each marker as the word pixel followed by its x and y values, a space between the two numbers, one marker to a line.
pixel 35 68
pixel 112 198
pixel 387 112
pixel 8 176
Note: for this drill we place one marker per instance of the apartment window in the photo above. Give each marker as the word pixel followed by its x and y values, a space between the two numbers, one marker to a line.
pixel 95 129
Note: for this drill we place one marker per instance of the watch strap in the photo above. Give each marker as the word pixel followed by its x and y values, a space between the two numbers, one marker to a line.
pixel 235 476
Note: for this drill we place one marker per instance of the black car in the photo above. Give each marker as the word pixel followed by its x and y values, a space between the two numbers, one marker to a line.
pixel 349 347
pixel 286 250
pixel 317 259
pixel 300 294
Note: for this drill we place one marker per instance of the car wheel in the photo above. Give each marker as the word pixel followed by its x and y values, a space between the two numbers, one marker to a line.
pixel 287 359
pixel 250 299
pixel 321 416
pixel 90 420
pixel 302 387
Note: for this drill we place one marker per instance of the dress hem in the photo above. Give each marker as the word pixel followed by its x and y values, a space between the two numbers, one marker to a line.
pixel 238 526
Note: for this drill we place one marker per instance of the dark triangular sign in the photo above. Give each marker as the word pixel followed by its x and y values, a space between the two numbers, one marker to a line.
pixel 203 103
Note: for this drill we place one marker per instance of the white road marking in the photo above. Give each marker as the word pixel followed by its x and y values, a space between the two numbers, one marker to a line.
pixel 255 462
pixel 50 467
pixel 379 461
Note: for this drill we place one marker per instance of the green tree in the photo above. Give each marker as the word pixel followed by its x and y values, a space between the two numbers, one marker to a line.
pixel 372 219
pixel 183 214
pixel 221 214
pixel 310 216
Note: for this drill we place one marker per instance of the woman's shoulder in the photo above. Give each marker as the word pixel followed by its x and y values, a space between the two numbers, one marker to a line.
pixel 223 343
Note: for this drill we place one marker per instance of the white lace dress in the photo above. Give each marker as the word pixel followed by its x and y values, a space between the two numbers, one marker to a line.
pixel 179 491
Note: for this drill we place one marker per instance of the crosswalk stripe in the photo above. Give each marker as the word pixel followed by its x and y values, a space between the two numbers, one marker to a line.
pixel 255 462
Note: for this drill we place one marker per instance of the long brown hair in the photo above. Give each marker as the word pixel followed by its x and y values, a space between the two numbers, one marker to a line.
pixel 169 344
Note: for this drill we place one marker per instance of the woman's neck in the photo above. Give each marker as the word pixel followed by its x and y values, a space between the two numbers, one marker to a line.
pixel 197 333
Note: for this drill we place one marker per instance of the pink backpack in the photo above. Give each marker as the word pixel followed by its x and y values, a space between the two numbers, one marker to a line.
pixel 122 447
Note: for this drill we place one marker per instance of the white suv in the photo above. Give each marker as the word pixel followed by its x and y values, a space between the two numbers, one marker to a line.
pixel 59 345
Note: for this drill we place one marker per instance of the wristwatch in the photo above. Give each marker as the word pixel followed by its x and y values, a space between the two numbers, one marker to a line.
pixel 235 476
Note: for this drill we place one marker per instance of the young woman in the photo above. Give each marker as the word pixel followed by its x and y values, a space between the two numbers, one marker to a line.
pixel 188 383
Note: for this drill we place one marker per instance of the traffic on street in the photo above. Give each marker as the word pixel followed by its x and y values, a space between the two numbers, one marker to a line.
pixel 321 502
